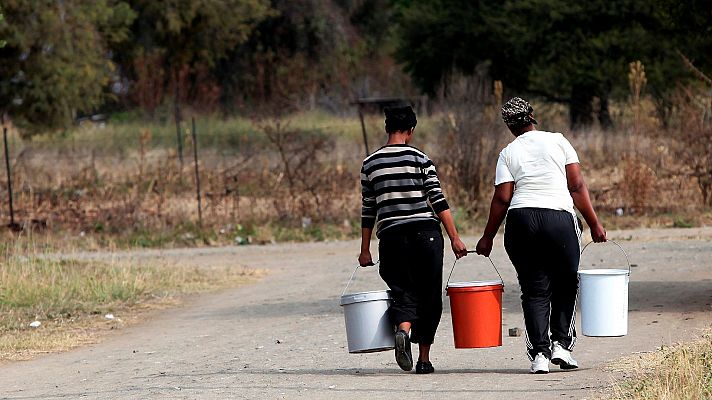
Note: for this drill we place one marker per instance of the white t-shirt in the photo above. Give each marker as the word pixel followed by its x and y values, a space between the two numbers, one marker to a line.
pixel 536 162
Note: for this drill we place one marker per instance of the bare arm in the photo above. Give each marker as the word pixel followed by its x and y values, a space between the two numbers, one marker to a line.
pixel 458 247
pixel 431 183
pixel 368 219
pixel 364 259
pixel 498 210
pixel 582 201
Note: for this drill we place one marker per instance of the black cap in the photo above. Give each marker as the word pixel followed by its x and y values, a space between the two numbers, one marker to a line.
pixel 400 119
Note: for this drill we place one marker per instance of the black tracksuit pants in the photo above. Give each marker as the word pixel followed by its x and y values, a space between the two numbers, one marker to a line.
pixel 411 264
pixel 543 245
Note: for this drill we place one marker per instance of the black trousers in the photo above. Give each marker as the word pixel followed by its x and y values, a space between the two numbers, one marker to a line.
pixel 544 247
pixel 411 264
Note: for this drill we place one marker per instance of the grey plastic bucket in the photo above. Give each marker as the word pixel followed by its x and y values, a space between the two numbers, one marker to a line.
pixel 368 328
pixel 603 296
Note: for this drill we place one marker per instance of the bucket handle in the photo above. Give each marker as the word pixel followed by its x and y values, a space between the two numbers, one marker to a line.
pixel 619 246
pixel 354 274
pixel 473 251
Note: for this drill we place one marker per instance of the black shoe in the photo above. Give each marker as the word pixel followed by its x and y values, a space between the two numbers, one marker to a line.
pixel 403 354
pixel 424 367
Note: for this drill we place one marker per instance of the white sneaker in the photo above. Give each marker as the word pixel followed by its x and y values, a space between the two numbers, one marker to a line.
pixel 540 365
pixel 562 357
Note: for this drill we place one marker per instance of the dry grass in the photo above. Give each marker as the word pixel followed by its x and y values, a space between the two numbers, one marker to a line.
pixel 261 182
pixel 679 372
pixel 253 177
pixel 71 298
pixel 64 334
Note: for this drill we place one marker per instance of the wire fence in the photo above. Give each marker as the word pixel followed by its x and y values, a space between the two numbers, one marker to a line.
pixel 95 184
pixel 133 178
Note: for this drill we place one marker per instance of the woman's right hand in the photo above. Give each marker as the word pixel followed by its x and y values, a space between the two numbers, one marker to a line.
pixel 598 234
pixel 458 248
pixel 484 246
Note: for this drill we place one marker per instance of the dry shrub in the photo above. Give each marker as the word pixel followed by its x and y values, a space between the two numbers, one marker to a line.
pixel 638 184
pixel 693 127
pixel 280 176
pixel 474 136
pixel 304 183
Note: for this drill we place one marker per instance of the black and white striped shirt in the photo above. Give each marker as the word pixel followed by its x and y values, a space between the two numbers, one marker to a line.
pixel 399 184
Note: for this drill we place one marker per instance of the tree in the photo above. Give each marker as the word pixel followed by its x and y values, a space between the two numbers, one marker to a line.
pixel 578 51
pixel 313 51
pixel 439 37
pixel 2 42
pixel 686 30
pixel 55 62
pixel 563 51
pixel 189 36
pixel 195 30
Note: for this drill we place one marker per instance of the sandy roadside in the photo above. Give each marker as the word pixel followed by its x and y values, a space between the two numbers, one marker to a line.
pixel 283 337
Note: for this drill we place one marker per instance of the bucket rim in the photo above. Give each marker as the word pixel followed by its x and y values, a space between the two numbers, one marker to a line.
pixel 604 271
pixel 372 295
pixel 468 284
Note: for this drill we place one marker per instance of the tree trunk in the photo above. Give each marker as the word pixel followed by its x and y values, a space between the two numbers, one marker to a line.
pixel 581 107
pixel 604 114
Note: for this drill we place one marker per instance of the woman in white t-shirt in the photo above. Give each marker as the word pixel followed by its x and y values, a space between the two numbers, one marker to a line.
pixel 538 182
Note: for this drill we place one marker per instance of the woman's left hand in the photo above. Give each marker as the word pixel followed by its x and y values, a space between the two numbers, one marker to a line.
pixel 364 259
pixel 484 246
pixel 598 234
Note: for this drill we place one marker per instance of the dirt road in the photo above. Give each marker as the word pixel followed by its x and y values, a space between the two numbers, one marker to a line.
pixel 284 337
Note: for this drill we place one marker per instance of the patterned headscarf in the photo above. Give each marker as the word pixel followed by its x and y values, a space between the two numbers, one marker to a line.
pixel 516 113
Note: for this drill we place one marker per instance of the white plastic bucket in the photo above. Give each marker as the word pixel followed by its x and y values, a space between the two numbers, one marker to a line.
pixel 603 295
pixel 368 328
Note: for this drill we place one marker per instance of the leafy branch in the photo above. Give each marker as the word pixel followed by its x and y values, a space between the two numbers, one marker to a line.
pixel 2 42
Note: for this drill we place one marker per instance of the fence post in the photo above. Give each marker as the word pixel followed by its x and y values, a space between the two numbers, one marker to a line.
pixel 197 171
pixel 9 175
pixel 363 129
pixel 176 111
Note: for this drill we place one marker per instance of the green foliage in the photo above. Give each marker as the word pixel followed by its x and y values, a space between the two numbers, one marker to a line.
pixel 680 222
pixel 307 48
pixel 439 36
pixel 195 30
pixel 176 46
pixel 54 63
pixel 2 42
pixel 580 51
pixel 563 51
pixel 60 56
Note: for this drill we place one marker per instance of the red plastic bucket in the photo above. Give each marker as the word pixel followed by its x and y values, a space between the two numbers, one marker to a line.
pixel 476 309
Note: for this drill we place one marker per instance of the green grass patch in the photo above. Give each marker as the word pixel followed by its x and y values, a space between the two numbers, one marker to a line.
pixel 123 133
pixel 44 289
pixel 66 294
pixel 191 235
pixel 682 223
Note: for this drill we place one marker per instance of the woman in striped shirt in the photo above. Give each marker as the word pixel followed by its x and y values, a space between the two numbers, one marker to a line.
pixel 403 200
